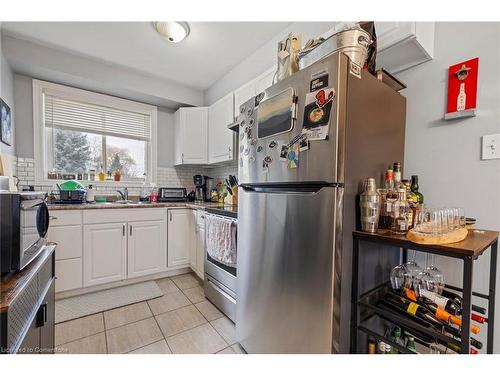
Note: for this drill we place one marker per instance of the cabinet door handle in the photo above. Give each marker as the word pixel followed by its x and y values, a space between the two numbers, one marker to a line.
pixel 130 230
pixel 182 158
pixel 229 152
pixel 123 230
pixel 52 217
pixel 170 215
pixel 41 317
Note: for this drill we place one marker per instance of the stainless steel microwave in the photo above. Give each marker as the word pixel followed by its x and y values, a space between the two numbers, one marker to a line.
pixel 24 222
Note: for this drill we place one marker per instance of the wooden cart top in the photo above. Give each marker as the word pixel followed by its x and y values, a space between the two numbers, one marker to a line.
pixel 12 284
pixel 476 242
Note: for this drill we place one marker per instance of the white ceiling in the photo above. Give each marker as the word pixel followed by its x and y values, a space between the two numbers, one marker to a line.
pixel 207 54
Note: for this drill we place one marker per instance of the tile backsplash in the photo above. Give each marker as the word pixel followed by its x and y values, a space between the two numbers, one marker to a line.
pixel 179 176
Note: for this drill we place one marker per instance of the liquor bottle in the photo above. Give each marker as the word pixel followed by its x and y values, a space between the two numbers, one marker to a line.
pixel 387 210
pixel 396 337
pixel 461 98
pixel 411 198
pixel 396 170
pixel 478 318
pixel 410 344
pixel 401 212
pixel 414 189
pixel 371 346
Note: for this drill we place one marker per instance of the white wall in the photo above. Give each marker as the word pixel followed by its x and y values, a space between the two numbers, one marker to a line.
pixel 446 154
pixel 7 94
pixel 262 59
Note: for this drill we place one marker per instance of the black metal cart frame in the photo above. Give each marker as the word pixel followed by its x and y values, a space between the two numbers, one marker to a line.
pixel 403 245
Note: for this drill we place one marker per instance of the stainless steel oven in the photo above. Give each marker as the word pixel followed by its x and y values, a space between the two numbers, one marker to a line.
pixel 24 222
pixel 220 279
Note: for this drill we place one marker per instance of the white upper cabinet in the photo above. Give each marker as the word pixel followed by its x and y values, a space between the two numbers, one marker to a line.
pixel 402 45
pixel 191 128
pixel 254 87
pixel 265 80
pixel 241 95
pixel 220 138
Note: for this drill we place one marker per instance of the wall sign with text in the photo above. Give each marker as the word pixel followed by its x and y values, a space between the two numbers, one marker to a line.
pixel 462 89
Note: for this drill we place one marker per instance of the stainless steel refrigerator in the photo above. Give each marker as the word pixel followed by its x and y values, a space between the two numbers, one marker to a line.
pixel 297 202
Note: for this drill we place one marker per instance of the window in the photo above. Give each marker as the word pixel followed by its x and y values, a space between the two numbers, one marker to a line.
pixel 78 133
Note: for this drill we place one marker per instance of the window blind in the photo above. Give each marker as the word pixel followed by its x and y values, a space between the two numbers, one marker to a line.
pixel 77 115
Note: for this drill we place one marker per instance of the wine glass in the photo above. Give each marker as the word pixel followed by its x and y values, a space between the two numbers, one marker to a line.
pixel 436 274
pixel 399 277
pixel 413 270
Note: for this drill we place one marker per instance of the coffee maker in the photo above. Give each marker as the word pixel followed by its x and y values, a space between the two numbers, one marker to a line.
pixel 203 187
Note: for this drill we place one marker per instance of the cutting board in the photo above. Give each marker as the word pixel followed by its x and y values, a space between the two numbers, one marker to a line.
pixel 6 170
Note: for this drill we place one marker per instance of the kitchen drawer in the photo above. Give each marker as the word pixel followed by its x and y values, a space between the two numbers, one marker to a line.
pixel 68 274
pixel 68 239
pixel 120 215
pixel 200 218
pixel 58 218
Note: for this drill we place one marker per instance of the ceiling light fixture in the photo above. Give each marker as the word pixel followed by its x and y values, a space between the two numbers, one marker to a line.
pixel 173 32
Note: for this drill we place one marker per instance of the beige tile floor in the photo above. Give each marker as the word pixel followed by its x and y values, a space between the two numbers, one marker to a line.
pixel 182 321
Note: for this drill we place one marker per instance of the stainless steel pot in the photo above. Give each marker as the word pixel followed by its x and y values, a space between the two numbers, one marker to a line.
pixel 354 43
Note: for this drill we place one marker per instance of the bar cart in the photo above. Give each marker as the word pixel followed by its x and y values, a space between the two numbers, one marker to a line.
pixel 366 315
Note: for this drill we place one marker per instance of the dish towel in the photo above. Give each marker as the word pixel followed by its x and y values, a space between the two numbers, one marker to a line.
pixel 221 239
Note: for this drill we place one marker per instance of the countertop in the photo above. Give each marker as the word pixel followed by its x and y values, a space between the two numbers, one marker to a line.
pixel 12 284
pixel 112 205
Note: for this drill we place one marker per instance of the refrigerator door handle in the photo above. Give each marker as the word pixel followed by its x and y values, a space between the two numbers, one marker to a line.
pixel 289 188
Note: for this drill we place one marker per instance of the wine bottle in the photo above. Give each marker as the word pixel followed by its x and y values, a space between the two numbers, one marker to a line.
pixel 412 308
pixel 371 346
pixel 447 317
pixel 410 344
pixel 423 338
pixel 459 301
pixel 478 318
pixel 443 302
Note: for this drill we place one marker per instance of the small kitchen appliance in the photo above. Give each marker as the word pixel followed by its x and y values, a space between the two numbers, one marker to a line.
pixel 203 187
pixel 166 194
pixel 24 222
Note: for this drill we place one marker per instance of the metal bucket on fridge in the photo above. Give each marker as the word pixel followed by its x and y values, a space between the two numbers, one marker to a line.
pixel 354 43
pixel 370 207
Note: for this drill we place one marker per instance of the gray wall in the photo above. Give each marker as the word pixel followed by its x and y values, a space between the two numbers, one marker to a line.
pixel 7 94
pixel 262 59
pixel 446 154
pixel 23 99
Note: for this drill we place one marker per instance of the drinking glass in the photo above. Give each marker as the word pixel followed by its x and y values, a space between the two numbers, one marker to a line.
pixel 436 274
pixel 461 216
pixel 399 277
pixel 425 280
pixel 413 270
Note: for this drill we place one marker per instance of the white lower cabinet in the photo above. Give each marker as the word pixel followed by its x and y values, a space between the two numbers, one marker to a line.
pixel 104 253
pixel 180 237
pixel 147 249
pixel 68 274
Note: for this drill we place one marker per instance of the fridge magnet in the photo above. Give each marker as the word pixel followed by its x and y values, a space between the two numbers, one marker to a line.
pixel 293 156
pixel 317 114
pixel 462 89
pixel 6 126
pixel 303 143
pixel 284 152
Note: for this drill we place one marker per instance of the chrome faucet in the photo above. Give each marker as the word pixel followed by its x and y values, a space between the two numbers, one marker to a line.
pixel 124 195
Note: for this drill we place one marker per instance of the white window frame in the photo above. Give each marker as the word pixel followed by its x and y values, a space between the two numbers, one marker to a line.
pixel 93 98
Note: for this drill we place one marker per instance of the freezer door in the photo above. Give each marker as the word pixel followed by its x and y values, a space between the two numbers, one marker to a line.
pixel 285 287
pixel 261 135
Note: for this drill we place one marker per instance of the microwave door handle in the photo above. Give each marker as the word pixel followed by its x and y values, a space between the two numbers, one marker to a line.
pixel 42 219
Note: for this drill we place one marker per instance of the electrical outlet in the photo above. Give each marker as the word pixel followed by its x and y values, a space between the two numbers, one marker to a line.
pixel 490 147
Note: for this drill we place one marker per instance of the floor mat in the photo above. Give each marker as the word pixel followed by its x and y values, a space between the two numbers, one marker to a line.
pixel 91 303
